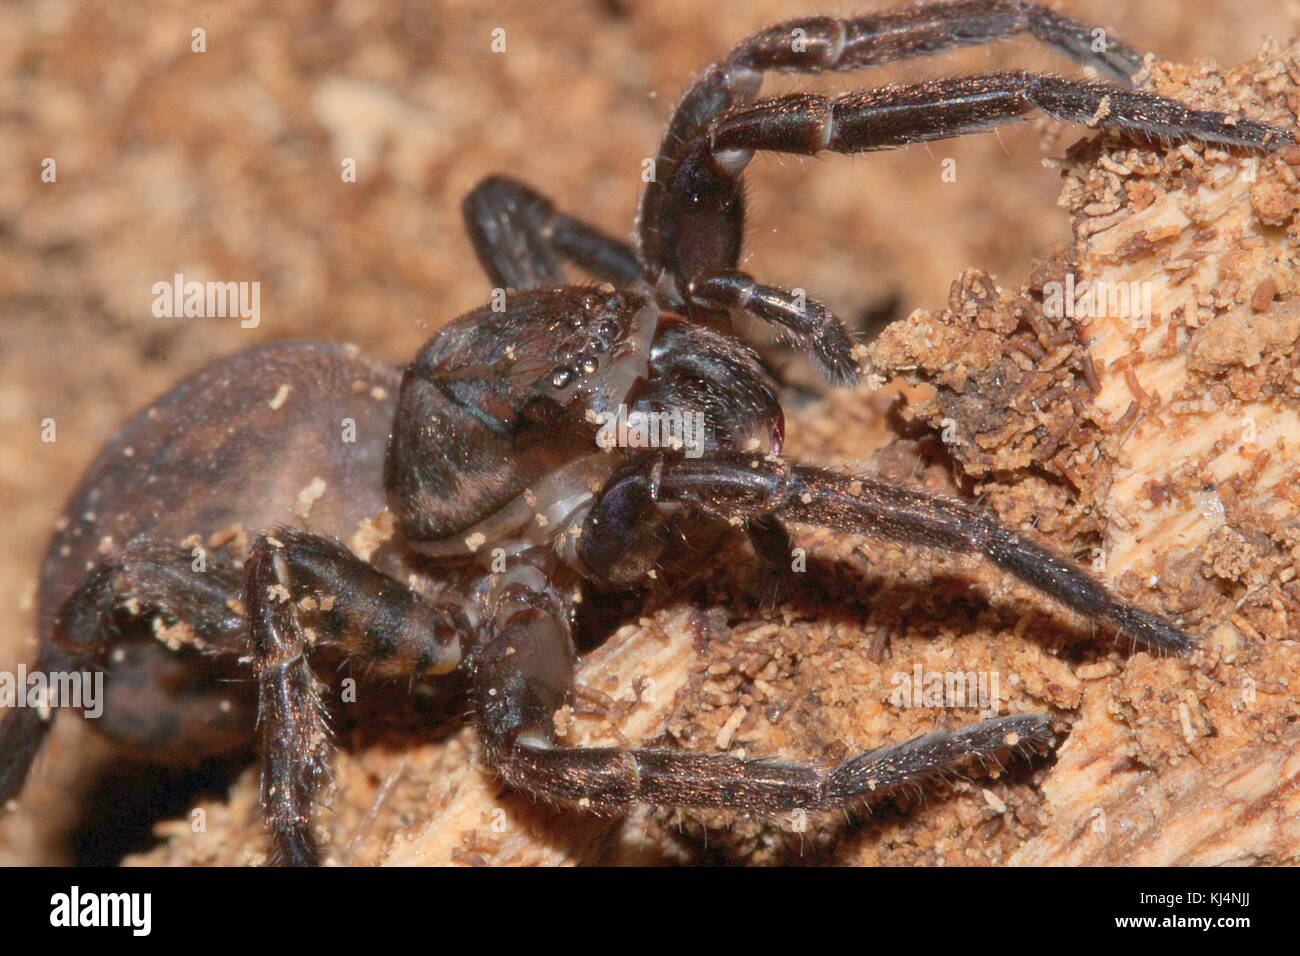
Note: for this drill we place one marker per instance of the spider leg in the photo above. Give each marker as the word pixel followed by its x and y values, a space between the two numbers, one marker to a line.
pixel 524 673
pixel 154 700
pixel 304 592
pixel 892 116
pixel 772 544
pixel 148 576
pixel 810 326
pixel 23 731
pixel 829 44
pixel 742 488
pixel 692 212
pixel 702 231
pixel 522 240
pixel 706 211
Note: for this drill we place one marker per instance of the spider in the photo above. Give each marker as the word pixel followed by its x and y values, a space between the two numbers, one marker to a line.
pixel 206 542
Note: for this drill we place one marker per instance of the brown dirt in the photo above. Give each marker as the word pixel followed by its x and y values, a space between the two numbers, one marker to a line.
pixel 224 165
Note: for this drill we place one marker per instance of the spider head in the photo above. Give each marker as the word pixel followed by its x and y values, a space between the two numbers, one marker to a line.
pixel 506 395
pixel 584 352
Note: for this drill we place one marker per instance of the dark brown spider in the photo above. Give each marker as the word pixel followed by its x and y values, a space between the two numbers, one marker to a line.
pixel 486 452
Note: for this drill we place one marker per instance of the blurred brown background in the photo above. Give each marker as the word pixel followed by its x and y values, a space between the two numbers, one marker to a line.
pixel 224 165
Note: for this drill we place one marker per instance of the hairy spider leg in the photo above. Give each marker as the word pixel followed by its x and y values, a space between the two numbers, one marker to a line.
pixel 747 487
pixel 692 213
pixel 522 240
pixel 524 672
pixel 304 592
pixel 155 701
pixel 818 44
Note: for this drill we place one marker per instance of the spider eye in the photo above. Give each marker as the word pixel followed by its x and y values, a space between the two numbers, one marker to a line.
pixel 608 330
pixel 561 377
pixel 589 365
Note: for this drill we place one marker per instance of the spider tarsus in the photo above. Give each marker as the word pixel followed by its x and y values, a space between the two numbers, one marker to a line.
pixel 811 326
pixel 895 765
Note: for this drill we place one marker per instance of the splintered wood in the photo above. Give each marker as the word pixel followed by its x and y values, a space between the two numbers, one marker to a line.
pixel 1203 495
pixel 1137 407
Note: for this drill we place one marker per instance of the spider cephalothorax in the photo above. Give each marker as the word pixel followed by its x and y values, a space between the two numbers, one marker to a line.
pixel 492 452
